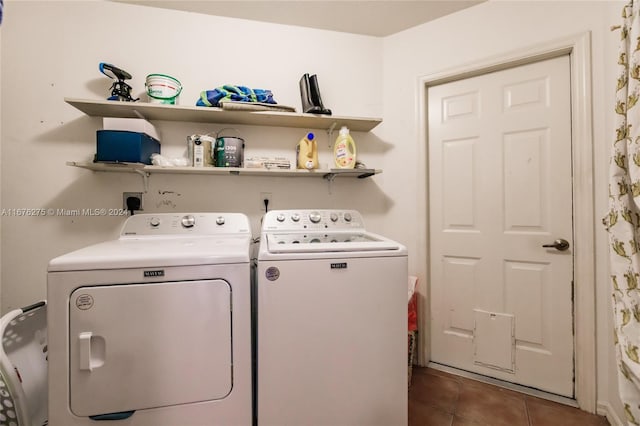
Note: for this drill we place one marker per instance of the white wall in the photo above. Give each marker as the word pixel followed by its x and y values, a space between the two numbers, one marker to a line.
pixel 476 35
pixel 51 50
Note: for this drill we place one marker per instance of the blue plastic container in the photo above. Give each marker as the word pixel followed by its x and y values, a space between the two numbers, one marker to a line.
pixel 125 147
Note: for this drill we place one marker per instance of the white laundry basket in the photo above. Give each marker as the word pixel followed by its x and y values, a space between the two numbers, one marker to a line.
pixel 23 366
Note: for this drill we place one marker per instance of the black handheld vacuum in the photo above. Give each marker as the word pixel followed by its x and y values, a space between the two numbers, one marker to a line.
pixel 120 91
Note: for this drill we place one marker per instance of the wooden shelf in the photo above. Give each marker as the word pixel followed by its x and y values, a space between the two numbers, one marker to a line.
pixel 148 111
pixel 143 169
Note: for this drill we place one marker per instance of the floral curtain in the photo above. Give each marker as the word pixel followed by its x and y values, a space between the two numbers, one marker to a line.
pixel 623 219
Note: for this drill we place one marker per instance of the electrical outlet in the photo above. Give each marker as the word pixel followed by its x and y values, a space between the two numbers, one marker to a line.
pixel 127 195
pixel 265 196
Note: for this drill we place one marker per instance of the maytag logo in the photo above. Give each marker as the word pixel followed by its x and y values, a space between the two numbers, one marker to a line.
pixel 154 273
pixel 341 265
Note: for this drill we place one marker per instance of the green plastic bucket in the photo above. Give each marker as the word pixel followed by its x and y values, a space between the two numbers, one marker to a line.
pixel 163 89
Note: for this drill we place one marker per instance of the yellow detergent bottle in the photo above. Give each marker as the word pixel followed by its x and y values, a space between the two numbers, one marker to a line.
pixel 344 150
pixel 307 153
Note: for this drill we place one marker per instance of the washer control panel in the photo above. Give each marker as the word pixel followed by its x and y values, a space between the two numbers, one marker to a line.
pixel 186 223
pixel 310 220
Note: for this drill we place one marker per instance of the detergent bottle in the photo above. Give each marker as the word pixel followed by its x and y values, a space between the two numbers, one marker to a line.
pixel 307 153
pixel 344 150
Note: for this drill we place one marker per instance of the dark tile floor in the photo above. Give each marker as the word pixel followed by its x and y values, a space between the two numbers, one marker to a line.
pixel 437 398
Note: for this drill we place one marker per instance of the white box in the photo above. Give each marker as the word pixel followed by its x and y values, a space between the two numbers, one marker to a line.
pixel 139 125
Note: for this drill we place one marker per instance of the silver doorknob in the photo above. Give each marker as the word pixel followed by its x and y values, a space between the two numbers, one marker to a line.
pixel 559 244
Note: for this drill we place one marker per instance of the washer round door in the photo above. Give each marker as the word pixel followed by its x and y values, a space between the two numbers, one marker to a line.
pixel 139 346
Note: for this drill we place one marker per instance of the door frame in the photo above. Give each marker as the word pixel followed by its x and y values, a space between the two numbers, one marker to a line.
pixel 578 47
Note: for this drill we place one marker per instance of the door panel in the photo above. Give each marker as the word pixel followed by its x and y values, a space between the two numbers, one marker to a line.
pixel 526 166
pixel 143 346
pixel 500 188
pixel 458 180
pixel 332 342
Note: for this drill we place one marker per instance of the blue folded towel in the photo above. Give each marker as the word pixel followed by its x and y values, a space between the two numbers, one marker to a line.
pixel 212 98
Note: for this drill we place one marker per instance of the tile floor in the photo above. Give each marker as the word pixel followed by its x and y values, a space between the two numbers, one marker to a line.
pixel 437 398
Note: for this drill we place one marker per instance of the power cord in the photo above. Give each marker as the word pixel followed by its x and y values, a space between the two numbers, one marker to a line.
pixel 266 209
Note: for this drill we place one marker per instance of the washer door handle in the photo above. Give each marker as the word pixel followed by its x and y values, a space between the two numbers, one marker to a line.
pixel 92 351
pixel 84 339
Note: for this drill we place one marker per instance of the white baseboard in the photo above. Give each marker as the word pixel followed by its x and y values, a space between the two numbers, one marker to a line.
pixel 605 409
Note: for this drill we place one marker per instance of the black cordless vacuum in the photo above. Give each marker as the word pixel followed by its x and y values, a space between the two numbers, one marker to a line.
pixel 120 91
pixel 310 94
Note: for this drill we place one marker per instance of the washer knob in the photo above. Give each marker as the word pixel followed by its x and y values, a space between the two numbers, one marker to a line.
pixel 188 221
pixel 280 218
pixel 220 220
pixel 334 217
pixel 295 217
pixel 347 217
pixel 154 222
pixel 315 217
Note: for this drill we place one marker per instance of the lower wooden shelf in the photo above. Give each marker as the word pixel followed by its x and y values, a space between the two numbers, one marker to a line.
pixel 144 169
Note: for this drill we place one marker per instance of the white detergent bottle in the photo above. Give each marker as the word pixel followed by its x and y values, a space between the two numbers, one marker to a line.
pixel 307 153
pixel 344 150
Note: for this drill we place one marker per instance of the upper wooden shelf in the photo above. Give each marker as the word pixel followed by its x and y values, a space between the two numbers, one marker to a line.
pixel 148 111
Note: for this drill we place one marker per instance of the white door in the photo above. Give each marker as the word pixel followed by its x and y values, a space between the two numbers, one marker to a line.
pixel 499 189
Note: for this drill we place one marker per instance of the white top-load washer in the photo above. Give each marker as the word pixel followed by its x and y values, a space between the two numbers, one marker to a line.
pixel 154 328
pixel 331 322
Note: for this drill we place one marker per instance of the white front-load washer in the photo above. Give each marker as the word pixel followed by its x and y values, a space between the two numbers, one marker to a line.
pixel 154 328
pixel 331 322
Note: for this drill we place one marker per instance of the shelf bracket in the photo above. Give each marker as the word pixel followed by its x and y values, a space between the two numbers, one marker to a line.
pixel 330 133
pixel 145 179
pixel 139 114
pixel 329 177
